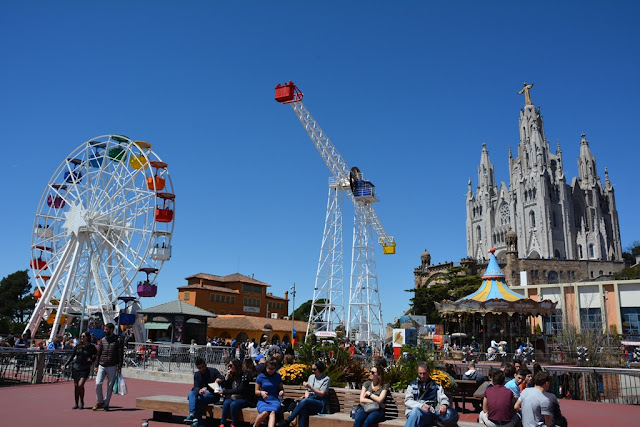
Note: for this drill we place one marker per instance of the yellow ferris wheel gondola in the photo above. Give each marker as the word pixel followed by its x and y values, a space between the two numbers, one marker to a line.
pixel 140 161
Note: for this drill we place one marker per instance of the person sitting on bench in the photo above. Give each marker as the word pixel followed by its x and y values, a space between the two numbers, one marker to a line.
pixel 202 393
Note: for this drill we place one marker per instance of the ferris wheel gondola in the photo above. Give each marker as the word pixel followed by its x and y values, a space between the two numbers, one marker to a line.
pixel 97 227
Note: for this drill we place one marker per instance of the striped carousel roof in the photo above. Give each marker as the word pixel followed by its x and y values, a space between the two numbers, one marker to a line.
pixel 493 285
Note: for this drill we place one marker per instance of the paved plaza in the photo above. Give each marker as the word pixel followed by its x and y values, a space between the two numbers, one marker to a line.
pixel 50 405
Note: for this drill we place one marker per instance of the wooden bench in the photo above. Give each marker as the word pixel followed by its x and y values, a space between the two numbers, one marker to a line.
pixel 465 393
pixel 341 400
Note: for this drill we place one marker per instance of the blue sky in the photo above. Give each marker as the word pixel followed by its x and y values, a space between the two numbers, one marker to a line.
pixel 407 91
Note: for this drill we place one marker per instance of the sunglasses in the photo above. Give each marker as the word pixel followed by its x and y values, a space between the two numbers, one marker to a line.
pixel 314 369
pixel 373 373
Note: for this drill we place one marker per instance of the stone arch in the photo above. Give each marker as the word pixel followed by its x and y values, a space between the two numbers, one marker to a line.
pixel 275 337
pixel 242 337
pixel 225 334
pixel 557 254
pixel 534 255
pixel 552 277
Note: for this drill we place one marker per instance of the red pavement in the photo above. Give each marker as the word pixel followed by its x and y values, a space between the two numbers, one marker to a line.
pixel 50 405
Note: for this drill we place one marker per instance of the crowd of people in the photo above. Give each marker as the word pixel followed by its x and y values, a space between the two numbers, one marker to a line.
pixel 517 396
pixel 514 394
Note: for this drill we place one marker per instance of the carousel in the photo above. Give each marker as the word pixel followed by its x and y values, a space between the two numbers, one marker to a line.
pixel 493 312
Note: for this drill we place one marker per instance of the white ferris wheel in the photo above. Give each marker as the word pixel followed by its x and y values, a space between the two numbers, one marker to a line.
pixel 106 215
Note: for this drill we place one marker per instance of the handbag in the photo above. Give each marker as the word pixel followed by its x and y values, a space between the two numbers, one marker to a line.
pixel 370 407
pixel 354 411
pixel 122 385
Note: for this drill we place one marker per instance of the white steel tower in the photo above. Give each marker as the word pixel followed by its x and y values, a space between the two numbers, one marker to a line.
pixel 364 320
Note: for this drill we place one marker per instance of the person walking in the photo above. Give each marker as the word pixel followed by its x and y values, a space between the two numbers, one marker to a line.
pixel 108 364
pixel 316 397
pixel 83 357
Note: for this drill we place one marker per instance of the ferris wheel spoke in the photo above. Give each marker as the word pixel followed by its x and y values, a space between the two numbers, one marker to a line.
pixel 147 197
pixel 115 248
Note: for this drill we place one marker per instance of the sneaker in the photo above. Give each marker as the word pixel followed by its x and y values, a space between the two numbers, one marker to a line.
pixel 189 420
pixel 97 406
pixel 283 423
pixel 75 406
pixel 195 423
pixel 106 409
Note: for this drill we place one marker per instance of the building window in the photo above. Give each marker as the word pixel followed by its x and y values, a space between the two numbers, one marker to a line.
pixel 252 288
pixel 630 320
pixel 580 251
pixel 532 219
pixel 479 233
pixel 227 299
pixel 233 300
pixel 186 296
pixel 591 319
pixel 221 311
pixel 217 298
pixel 553 323
pixel 591 253
pixel 212 297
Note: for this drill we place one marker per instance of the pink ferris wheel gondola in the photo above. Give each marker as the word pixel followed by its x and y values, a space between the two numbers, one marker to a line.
pixel 147 289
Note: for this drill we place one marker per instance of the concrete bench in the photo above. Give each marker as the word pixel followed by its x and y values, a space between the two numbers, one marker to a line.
pixel 341 400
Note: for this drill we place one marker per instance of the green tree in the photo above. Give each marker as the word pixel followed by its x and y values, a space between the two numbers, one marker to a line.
pixel 634 248
pixel 451 286
pixel 302 312
pixel 16 301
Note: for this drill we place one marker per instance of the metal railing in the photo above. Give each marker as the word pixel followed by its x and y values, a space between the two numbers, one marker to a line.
pixel 591 384
pixel 168 357
pixel 32 366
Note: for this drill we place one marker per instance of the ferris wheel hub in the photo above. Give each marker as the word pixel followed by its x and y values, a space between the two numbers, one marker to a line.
pixel 76 221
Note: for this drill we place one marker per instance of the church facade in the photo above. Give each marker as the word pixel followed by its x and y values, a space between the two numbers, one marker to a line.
pixel 549 217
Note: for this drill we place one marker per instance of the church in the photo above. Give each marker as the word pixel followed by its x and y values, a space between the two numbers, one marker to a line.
pixel 548 217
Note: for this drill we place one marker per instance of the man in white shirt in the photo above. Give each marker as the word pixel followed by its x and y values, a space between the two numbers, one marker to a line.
pixel 253 349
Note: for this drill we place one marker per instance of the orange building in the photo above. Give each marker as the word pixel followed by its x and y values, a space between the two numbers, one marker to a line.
pixel 235 294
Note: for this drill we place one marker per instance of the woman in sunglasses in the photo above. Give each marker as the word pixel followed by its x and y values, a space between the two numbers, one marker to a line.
pixel 372 397
pixel 81 360
pixel 316 397
pixel 236 391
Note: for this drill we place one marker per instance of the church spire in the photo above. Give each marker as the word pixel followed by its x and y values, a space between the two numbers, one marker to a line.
pixel 587 172
pixel 486 181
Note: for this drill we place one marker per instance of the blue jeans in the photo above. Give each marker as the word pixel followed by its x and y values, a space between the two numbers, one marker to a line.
pixel 233 407
pixel 418 417
pixel 195 400
pixel 364 419
pixel 105 371
pixel 305 408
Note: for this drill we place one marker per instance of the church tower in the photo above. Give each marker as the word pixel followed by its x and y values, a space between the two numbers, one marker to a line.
pixel 550 219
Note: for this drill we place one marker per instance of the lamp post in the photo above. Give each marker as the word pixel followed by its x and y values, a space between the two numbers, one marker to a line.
pixel 293 310
pixel 604 310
